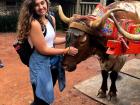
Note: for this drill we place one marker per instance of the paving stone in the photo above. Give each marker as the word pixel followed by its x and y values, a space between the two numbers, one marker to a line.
pixel 128 90
pixel 132 68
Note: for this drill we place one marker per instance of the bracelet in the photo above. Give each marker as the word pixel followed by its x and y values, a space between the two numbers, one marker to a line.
pixel 65 51
pixel 68 52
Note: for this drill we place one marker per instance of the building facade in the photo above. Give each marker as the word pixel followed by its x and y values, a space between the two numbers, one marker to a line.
pixel 9 6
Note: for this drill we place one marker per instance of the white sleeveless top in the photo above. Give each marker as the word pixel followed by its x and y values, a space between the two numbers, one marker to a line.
pixel 50 35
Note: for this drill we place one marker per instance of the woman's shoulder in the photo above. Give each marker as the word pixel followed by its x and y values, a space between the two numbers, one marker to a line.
pixel 35 23
pixel 53 18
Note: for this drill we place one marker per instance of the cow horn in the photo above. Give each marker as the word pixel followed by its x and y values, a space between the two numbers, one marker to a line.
pixel 62 16
pixel 125 33
pixel 99 22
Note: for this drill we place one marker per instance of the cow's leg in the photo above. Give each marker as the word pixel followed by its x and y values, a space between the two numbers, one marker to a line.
pixel 1 64
pixel 113 89
pixel 103 89
pixel 119 61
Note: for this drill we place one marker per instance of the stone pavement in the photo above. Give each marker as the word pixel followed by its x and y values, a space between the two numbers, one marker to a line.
pixel 128 86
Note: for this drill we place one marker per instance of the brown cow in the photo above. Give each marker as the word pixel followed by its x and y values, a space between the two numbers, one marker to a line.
pixel 84 34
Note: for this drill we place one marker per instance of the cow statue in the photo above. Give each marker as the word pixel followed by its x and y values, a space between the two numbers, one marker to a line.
pixel 84 33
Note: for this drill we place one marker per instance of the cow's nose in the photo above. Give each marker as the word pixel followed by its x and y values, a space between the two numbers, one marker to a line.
pixel 71 68
pixel 65 66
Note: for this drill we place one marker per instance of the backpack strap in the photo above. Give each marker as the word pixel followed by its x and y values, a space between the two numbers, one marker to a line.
pixel 50 20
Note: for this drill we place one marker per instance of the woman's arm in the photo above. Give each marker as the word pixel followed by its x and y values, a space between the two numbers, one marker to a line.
pixel 59 40
pixel 38 41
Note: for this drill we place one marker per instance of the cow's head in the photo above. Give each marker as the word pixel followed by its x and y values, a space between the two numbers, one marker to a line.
pixel 81 41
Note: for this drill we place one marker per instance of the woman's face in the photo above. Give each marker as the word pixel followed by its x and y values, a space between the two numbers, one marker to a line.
pixel 41 7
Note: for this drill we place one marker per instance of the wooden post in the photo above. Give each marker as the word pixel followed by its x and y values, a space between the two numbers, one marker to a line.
pixel 103 2
pixel 78 7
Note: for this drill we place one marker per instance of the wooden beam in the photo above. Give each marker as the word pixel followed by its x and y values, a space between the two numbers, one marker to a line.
pixel 103 2
pixel 78 7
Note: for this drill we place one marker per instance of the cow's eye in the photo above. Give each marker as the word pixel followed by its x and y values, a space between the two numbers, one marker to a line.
pixel 74 38
pixel 83 39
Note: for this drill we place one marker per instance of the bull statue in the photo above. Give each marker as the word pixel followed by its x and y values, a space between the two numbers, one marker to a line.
pixel 84 33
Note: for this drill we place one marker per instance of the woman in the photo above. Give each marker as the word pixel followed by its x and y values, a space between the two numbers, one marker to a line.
pixel 32 17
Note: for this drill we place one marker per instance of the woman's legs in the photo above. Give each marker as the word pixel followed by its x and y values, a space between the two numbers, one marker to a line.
pixel 54 75
pixel 38 101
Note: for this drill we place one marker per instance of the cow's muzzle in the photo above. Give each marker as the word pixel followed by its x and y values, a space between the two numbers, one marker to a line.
pixel 69 68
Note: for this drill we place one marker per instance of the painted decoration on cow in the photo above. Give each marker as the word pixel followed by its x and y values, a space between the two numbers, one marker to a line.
pixel 135 29
pixel 122 45
pixel 99 10
pixel 109 30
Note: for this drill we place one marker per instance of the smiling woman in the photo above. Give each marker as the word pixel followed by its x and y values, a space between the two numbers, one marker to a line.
pixel 43 72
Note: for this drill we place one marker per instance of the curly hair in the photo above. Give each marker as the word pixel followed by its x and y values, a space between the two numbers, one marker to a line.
pixel 26 16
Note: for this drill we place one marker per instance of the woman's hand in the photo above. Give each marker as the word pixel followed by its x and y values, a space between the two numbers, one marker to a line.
pixel 71 51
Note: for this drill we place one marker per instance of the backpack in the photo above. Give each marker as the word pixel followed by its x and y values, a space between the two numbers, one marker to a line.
pixel 23 47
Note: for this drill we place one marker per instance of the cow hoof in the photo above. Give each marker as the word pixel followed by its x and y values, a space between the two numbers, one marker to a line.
pixel 112 95
pixel 1 65
pixel 101 94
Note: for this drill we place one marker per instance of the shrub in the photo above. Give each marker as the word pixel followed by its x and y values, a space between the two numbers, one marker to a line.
pixel 8 23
